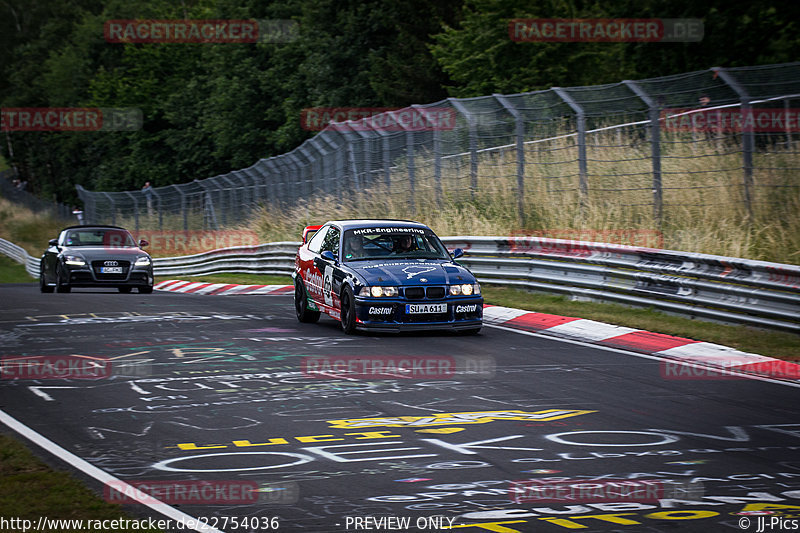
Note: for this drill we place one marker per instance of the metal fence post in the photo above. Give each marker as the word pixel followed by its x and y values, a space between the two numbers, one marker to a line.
pixel 113 208
pixel 309 169
pixel 320 160
pixel 411 167
pixel 519 133
pixel 473 145
pixel 582 168
pixel 748 136
pixel 655 148
pixel 329 164
pixel 135 210
pixel 183 207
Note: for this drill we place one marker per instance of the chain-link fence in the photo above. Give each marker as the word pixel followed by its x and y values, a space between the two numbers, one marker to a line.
pixel 14 190
pixel 648 147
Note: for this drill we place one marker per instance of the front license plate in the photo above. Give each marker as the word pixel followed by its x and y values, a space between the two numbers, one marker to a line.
pixel 111 270
pixel 415 309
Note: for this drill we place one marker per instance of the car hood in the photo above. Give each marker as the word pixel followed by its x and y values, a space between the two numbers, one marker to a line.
pixel 412 272
pixel 91 253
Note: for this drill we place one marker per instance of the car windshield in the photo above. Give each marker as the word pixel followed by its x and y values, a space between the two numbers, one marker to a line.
pixel 388 243
pixel 115 238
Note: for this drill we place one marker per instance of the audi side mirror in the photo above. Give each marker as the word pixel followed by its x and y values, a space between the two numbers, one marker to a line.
pixel 327 254
pixel 458 252
pixel 143 243
pixel 53 242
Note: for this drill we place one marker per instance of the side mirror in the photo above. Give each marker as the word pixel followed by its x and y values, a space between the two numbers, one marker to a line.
pixel 458 252
pixel 53 242
pixel 143 243
pixel 328 255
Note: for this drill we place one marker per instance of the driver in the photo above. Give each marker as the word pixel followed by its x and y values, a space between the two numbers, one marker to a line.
pixel 404 244
pixel 354 247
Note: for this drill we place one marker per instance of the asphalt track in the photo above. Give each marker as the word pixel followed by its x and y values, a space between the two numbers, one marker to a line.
pixel 226 391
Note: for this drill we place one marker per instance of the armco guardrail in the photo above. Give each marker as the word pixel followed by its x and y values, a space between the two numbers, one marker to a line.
pixel 20 255
pixel 271 258
pixel 690 284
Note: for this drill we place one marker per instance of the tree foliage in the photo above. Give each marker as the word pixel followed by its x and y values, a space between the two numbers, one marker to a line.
pixel 212 108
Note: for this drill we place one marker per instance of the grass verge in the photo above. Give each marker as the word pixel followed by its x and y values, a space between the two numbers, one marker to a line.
pixel 776 344
pixel 30 489
pixel 12 272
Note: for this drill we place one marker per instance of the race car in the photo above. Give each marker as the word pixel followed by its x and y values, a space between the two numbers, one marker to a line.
pixel 384 275
pixel 96 256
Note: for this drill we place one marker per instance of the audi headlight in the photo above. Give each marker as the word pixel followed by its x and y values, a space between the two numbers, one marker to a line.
pixel 142 262
pixel 74 260
pixel 467 289
pixel 377 292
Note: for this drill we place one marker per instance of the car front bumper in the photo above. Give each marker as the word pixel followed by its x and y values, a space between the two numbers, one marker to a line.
pixel 391 315
pixel 134 277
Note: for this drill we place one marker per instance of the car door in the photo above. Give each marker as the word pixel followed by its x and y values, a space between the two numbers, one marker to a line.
pixel 326 267
pixel 309 264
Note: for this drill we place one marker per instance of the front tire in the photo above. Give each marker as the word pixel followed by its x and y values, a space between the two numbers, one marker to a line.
pixel 61 285
pixel 43 286
pixel 124 290
pixel 147 289
pixel 348 311
pixel 304 314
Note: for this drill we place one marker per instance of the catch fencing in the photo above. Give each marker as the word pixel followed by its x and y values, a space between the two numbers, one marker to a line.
pixel 652 147
pixel 17 194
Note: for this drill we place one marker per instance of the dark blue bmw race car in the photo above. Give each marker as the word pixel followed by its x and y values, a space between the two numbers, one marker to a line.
pixel 384 275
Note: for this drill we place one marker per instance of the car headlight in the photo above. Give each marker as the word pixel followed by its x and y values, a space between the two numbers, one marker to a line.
pixel 74 260
pixel 377 292
pixel 466 289
pixel 142 262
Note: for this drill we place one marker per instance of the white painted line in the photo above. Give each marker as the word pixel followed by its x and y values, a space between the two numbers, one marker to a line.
pixel 103 476
pixel 643 355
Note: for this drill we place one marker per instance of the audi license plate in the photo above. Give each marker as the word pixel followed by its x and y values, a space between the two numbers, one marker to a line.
pixel 414 309
pixel 111 270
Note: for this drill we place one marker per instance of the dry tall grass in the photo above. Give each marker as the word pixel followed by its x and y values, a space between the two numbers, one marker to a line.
pixel 26 228
pixel 703 196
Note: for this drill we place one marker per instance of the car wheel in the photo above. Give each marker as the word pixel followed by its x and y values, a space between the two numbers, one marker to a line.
pixel 304 314
pixel 124 290
pixel 43 286
pixel 348 311
pixel 146 289
pixel 473 331
pixel 61 285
